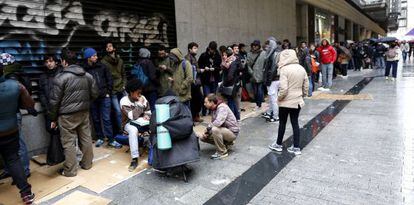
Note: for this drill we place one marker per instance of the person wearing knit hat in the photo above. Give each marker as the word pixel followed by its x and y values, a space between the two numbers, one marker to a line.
pixel 151 86
pixel 101 107
pixel 6 59
pixel 89 52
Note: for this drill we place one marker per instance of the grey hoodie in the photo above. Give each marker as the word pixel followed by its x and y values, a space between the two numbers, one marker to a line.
pixel 270 65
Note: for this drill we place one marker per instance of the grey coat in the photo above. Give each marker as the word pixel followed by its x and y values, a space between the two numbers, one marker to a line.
pixel 256 69
pixel 73 90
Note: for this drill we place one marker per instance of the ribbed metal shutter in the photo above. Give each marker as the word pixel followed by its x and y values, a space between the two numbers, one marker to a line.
pixel 31 29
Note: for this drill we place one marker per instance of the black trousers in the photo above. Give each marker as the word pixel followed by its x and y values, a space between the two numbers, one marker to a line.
pixel 294 119
pixel 196 100
pixel 9 147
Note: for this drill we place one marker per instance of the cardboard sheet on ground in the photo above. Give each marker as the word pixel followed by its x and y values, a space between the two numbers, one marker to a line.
pixel 81 198
pixel 42 185
pixel 328 96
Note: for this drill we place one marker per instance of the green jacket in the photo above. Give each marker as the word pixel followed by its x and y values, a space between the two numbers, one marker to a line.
pixel 163 75
pixel 116 66
pixel 182 80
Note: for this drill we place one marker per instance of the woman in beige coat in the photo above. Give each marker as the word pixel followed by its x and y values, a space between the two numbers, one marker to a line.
pixel 293 87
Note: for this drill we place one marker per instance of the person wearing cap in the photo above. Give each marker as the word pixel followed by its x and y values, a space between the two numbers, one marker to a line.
pixel 72 93
pixel 255 65
pixel 13 70
pixel 12 96
pixel 101 107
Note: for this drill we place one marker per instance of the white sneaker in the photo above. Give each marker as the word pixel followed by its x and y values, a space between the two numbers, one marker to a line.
pixel 386 78
pixel 276 147
pixel 326 89
pixel 321 89
pixel 294 150
pixel 392 79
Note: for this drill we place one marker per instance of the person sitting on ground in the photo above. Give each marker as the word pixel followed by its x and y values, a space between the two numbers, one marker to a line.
pixel 223 129
pixel 133 107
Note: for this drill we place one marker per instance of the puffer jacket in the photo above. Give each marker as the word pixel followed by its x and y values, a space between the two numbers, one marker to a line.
pixel 73 91
pixel 102 76
pixel 294 83
pixel 182 78
pixel 116 67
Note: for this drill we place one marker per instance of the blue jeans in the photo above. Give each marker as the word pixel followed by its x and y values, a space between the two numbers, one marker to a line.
pixel 24 158
pixel 115 98
pixel 101 115
pixel 233 107
pixel 327 74
pixel 258 93
pixel 152 98
pixel 394 65
pixel 404 55
pixel 310 85
pixel 380 62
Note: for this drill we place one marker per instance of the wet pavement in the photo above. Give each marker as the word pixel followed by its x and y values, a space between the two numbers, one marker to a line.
pixel 354 152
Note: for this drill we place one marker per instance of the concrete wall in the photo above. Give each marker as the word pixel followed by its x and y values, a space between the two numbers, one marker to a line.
pixel 233 21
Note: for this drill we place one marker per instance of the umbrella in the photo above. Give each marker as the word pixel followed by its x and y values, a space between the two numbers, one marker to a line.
pixel 388 39
pixel 410 33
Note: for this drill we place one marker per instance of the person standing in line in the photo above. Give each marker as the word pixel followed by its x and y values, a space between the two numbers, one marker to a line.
pixel 209 63
pixel 327 59
pixel 196 94
pixel 393 55
pixel 255 65
pixel 70 101
pixel 182 76
pixel 271 78
pixel 101 107
pixel 164 70
pixel 293 88
pixel 13 96
pixel 379 53
pixel 230 67
pixel 116 66
pixel 150 71
pixel 405 49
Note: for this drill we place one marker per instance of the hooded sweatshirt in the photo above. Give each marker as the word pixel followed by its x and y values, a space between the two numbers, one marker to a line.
pixel 270 64
pixel 183 78
pixel 294 83
pixel 327 54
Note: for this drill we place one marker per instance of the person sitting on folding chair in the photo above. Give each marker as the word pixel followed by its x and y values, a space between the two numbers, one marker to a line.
pixel 135 117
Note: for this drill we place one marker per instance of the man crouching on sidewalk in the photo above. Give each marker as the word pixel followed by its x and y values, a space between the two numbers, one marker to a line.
pixel 223 129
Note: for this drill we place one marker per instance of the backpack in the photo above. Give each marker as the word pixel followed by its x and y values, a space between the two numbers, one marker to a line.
pixel 315 66
pixel 392 53
pixel 138 72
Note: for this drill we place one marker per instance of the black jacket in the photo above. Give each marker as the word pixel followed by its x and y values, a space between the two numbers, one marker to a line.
pixel 231 74
pixel 207 60
pixel 46 85
pixel 151 72
pixel 102 76
pixel 73 90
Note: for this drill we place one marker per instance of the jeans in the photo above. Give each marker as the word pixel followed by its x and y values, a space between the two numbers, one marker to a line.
pixel 394 65
pixel 101 115
pixel 258 93
pixel 380 62
pixel 272 91
pixel 207 89
pixel 9 147
pixel 233 107
pixel 310 85
pixel 115 98
pixel 152 98
pixel 327 74
pixel 294 116
pixel 404 55
pixel 24 158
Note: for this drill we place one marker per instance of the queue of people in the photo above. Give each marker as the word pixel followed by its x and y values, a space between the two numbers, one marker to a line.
pixel 73 91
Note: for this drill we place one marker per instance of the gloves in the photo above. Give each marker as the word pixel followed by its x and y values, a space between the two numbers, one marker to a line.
pixel 32 111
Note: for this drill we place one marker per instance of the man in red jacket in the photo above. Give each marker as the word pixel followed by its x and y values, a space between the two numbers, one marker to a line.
pixel 327 59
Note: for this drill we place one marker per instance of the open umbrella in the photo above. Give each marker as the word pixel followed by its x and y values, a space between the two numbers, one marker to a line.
pixel 388 39
pixel 410 33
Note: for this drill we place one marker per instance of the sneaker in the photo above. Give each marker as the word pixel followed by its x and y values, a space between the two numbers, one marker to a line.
pixel 266 115
pixel 392 79
pixel 28 199
pixel 115 145
pixel 219 156
pixel 256 108
pixel 326 89
pixel 276 147
pixel 386 78
pixel 99 143
pixel 273 120
pixel 62 172
pixel 133 165
pixel 229 145
pixel 294 150
pixel 321 89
